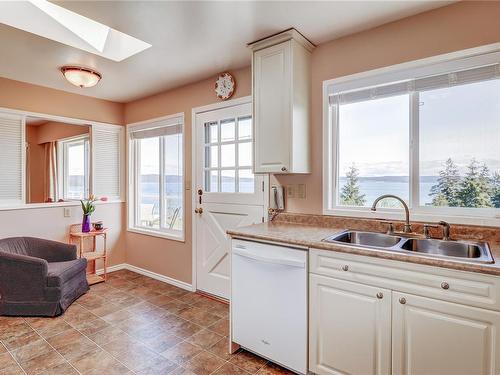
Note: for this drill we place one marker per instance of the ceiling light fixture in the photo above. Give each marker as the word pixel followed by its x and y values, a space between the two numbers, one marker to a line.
pixel 81 77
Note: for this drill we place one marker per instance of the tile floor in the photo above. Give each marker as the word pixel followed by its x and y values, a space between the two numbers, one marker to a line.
pixel 131 324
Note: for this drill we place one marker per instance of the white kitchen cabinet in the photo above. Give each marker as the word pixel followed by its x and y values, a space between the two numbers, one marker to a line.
pixel 435 337
pixel 281 101
pixel 438 323
pixel 350 327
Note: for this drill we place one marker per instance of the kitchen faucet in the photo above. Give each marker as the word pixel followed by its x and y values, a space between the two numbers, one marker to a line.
pixel 407 228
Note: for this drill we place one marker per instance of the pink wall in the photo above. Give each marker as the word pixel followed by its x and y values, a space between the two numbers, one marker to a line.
pixel 167 257
pixel 49 222
pixel 427 34
pixel 53 131
pixel 33 98
pixel 455 27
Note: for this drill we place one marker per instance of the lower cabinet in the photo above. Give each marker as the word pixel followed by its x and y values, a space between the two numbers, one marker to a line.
pixel 430 336
pixel 362 329
pixel 350 327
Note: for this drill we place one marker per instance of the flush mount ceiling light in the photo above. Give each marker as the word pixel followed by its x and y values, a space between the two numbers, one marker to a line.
pixel 54 22
pixel 81 77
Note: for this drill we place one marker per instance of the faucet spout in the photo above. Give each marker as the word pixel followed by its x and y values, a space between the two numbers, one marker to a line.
pixel 407 227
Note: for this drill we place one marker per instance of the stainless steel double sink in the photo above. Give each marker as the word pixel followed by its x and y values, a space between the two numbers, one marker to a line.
pixel 477 252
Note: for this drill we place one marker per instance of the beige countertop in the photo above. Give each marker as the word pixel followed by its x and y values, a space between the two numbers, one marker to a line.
pixel 311 236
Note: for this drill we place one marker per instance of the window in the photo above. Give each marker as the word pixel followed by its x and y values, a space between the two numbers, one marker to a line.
pixel 74 156
pixel 432 139
pixel 157 177
pixel 228 156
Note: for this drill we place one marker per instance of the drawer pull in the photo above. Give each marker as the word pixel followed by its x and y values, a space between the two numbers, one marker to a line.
pixel 445 285
pixel 380 295
pixel 402 300
pixel 345 268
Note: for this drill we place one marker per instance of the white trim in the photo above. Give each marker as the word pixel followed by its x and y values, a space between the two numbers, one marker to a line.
pixel 25 206
pixel 194 112
pixel 156 233
pixel 132 172
pixel 428 66
pixel 151 274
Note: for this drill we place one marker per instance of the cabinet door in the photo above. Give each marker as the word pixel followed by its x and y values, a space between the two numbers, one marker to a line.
pixel 272 108
pixel 349 328
pixel 436 337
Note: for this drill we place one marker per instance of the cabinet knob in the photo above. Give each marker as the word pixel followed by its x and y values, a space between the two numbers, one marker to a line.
pixel 283 169
pixel 402 300
pixel 198 210
pixel 345 268
pixel 445 285
pixel 380 295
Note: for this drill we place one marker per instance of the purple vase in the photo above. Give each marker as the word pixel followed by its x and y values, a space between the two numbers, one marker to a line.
pixel 86 224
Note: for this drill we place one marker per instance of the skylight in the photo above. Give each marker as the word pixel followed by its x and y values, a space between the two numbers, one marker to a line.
pixel 53 22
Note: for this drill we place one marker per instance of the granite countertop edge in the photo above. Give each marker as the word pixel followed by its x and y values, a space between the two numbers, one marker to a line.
pixel 264 232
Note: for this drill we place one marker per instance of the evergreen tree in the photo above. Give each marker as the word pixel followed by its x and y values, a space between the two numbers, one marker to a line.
pixel 475 188
pixel 495 190
pixel 350 195
pixel 448 185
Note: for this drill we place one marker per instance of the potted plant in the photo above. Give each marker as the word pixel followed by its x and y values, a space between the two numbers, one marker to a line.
pixel 88 208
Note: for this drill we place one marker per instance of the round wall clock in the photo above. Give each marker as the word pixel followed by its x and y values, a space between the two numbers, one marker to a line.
pixel 225 85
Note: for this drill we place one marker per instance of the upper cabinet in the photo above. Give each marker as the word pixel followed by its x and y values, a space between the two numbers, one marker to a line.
pixel 281 103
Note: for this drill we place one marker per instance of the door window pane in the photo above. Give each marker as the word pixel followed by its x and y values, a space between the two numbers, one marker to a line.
pixel 227 155
pixel 211 132
pixel 244 128
pixel 373 151
pixel 211 156
pixel 459 153
pixel 246 181
pixel 228 181
pixel 212 181
pixel 227 130
pixel 149 183
pixel 245 154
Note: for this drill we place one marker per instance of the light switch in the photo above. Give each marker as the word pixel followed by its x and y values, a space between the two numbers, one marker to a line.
pixel 301 191
pixel 67 211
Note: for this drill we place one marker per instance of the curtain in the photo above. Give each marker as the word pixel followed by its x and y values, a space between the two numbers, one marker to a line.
pixel 51 173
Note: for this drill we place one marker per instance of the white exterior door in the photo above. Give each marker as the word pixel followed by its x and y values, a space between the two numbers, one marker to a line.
pixel 349 328
pixel 432 337
pixel 228 194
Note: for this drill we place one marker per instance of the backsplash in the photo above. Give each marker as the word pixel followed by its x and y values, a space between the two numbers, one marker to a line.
pixel 457 231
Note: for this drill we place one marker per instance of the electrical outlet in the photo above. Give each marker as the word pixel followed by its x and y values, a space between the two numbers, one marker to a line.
pixel 301 191
pixel 67 211
pixel 290 191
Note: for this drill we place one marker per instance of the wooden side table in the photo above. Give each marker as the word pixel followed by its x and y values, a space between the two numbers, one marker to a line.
pixel 76 236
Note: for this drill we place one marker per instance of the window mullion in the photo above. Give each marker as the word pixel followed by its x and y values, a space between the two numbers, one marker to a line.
pixel 414 150
pixel 162 182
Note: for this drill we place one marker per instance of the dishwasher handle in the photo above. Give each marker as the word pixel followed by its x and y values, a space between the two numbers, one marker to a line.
pixel 260 258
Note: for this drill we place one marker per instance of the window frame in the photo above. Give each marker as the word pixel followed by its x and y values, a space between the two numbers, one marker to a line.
pixel 62 156
pixel 426 67
pixel 133 178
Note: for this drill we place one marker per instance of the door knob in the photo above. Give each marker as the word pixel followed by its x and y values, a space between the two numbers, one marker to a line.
pixel 198 210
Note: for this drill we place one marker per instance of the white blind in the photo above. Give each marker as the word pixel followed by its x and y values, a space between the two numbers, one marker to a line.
pixel 433 82
pixel 11 159
pixel 166 126
pixel 106 145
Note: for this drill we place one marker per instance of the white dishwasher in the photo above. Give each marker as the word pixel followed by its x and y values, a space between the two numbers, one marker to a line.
pixel 269 302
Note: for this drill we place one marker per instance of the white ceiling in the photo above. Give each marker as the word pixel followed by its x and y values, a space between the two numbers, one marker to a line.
pixel 191 40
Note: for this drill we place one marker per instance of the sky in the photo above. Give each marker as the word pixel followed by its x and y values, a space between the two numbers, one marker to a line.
pixel 460 122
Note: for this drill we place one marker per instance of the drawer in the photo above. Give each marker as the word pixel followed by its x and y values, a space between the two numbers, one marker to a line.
pixel 473 289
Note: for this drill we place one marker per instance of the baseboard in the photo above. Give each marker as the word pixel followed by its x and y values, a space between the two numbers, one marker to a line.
pixel 153 275
pixel 118 267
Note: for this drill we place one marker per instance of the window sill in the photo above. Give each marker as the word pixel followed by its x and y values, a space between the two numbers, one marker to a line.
pixel 399 215
pixel 29 206
pixel 152 233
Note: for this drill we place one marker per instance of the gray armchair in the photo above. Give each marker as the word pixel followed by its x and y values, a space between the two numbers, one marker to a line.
pixel 39 277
